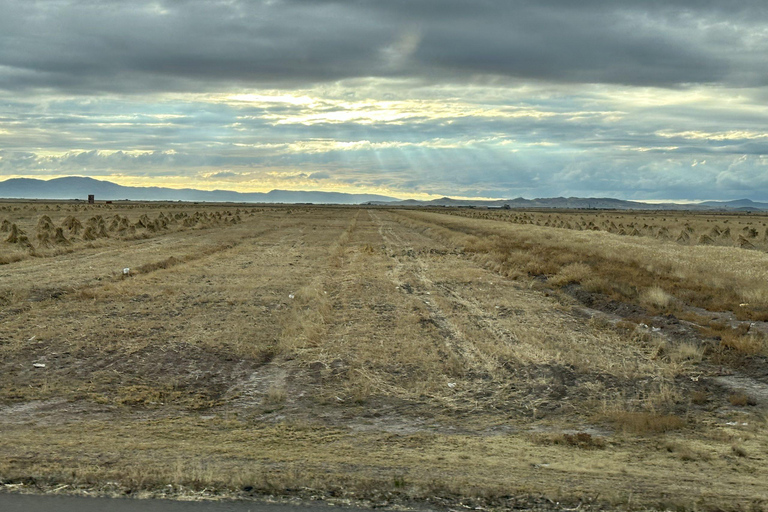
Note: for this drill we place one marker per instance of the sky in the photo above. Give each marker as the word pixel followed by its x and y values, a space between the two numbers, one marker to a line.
pixel 647 100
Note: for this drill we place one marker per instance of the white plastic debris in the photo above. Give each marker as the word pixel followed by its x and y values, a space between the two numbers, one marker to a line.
pixel 32 338
pixel 126 271
pixel 451 384
pixel 655 329
pixel 291 296
pixel 38 365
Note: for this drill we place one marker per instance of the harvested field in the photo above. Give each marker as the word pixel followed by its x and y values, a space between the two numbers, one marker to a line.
pixel 383 356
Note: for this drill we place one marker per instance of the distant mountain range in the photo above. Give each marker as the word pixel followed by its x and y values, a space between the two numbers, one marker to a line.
pixel 80 188
pixel 602 203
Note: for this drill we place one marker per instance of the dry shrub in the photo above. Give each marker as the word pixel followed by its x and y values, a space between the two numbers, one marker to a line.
pixel 359 386
pixel 583 440
pixel 646 422
pixel 747 344
pixel 656 297
pixel 573 273
pixel 275 395
pixel 738 450
pixel 741 399
pixel 755 295
pixel 699 397
pixel 687 352
pixel 685 452
pixel 142 395
pixel 5 226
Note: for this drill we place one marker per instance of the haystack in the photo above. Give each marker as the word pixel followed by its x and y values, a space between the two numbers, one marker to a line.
pixel 45 223
pixel 59 238
pixel 90 233
pixel 43 238
pixel 17 236
pixel 744 243
pixel 750 232
pixel 73 225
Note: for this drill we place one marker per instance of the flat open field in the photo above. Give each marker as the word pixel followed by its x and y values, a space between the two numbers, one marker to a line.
pixel 384 356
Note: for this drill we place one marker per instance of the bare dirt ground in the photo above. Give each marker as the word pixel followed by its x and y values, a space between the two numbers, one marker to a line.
pixel 363 355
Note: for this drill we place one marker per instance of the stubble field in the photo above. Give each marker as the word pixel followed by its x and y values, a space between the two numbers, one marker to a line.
pixel 382 356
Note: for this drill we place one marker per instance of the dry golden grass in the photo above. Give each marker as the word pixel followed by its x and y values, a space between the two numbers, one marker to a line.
pixel 621 267
pixel 656 297
pixel 686 228
pixel 646 422
pixel 363 352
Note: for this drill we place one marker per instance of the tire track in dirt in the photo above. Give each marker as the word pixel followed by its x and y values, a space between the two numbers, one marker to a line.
pixel 408 262
pixel 303 327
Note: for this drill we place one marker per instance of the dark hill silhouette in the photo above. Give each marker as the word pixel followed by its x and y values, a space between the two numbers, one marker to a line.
pixel 80 188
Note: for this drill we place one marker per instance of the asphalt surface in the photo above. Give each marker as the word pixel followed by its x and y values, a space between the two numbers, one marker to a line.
pixel 36 503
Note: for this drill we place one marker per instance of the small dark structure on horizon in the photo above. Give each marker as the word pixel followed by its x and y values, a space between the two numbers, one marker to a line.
pixel 91 199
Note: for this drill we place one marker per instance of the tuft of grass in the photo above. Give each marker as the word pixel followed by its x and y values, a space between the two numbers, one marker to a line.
pixel 647 422
pixel 583 440
pixel 738 450
pixel 276 394
pixel 686 351
pixel 741 399
pixel 747 344
pixel 699 397
pixel 573 273
pixel 656 296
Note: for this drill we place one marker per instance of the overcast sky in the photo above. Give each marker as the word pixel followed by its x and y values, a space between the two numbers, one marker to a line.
pixel 409 98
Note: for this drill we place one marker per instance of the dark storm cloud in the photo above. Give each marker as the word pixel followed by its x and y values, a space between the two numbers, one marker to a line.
pixel 115 46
